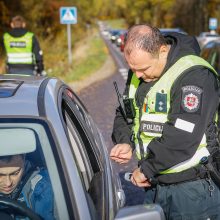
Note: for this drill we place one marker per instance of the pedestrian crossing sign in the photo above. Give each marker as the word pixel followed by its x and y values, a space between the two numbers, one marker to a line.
pixel 68 15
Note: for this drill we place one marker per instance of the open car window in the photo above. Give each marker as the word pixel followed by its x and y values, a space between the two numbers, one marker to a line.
pixel 86 155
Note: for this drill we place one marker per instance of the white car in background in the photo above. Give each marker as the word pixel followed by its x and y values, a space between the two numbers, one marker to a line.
pixel 206 37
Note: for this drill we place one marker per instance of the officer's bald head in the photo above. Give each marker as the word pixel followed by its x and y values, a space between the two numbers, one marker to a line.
pixel 144 37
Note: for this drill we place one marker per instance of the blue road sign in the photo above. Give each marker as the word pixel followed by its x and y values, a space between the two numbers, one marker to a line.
pixel 68 15
pixel 213 23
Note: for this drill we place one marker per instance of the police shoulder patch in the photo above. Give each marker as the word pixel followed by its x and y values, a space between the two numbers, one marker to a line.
pixel 191 98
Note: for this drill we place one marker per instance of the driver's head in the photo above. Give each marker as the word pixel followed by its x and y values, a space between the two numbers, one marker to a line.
pixel 11 170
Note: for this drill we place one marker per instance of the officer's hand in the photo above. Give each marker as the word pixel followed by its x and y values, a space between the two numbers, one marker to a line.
pixel 121 153
pixel 139 179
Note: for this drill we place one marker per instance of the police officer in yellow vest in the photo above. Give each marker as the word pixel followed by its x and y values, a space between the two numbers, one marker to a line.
pixel 175 99
pixel 23 52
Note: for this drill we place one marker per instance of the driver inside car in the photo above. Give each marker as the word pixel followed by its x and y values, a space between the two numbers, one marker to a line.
pixel 20 180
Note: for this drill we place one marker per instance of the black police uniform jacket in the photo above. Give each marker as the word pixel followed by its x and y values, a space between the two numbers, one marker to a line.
pixel 176 145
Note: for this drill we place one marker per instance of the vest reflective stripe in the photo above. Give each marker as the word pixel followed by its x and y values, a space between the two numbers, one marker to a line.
pixel 163 86
pixel 137 148
pixel 145 145
pixel 20 58
pixel 132 90
pixel 192 162
pixel 19 49
pixel 133 86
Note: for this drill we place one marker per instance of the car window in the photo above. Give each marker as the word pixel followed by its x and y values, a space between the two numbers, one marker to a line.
pixel 211 54
pixel 207 50
pixel 83 113
pixel 85 152
pixel 41 158
pixel 83 162
pixel 210 45
pixel 214 59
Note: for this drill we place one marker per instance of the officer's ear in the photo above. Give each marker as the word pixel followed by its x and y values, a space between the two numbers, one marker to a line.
pixel 23 24
pixel 163 51
pixel 12 25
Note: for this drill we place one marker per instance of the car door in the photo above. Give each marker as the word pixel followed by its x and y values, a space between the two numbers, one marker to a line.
pixel 81 134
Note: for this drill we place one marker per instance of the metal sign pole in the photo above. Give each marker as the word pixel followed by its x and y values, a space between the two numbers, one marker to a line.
pixel 69 43
pixel 68 15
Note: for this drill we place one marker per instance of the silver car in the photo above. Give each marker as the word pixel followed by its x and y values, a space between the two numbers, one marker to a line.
pixel 206 37
pixel 63 138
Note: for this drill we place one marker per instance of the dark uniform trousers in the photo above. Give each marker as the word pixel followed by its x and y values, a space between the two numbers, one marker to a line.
pixel 181 201
pixel 22 71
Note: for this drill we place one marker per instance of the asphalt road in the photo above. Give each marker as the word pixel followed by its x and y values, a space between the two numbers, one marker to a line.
pixel 100 99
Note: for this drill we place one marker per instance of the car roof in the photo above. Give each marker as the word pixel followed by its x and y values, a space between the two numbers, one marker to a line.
pixel 209 34
pixel 19 94
pixel 216 41
pixel 168 30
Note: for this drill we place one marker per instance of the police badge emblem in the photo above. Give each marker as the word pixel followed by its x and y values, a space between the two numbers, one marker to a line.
pixel 191 98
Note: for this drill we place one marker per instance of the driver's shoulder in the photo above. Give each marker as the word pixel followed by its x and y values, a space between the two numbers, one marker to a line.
pixel 40 179
pixel 38 182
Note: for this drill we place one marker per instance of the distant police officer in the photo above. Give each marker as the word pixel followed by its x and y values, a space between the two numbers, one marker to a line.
pixel 175 97
pixel 23 52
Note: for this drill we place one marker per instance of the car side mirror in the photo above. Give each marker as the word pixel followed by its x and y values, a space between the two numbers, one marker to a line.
pixel 141 212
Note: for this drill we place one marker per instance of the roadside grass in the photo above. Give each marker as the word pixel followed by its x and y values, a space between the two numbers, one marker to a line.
pixel 88 55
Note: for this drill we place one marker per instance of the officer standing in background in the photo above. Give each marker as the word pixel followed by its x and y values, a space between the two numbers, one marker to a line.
pixel 23 52
pixel 174 94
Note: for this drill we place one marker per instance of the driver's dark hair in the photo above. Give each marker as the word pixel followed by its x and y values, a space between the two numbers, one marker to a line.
pixel 144 37
pixel 8 158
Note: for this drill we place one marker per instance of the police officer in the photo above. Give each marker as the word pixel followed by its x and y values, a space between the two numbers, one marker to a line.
pixel 23 52
pixel 175 97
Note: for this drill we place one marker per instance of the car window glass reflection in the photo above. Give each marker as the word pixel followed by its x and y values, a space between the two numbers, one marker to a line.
pixel 79 154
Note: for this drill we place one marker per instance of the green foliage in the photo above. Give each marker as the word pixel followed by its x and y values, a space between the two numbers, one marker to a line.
pixel 4 17
pixel 43 16
pixel 44 20
pixel 117 24
pixel 153 12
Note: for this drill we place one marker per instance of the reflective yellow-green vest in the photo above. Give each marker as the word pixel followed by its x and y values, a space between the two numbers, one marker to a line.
pixel 154 116
pixel 19 49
